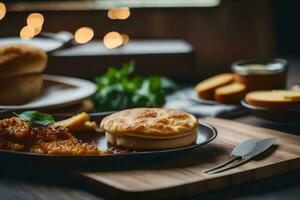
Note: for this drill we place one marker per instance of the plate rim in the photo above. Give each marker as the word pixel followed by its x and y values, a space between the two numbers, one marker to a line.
pixel 17 40
pixel 62 80
pixel 260 108
pixel 58 156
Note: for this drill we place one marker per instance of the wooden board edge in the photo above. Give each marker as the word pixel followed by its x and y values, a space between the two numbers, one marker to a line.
pixel 193 188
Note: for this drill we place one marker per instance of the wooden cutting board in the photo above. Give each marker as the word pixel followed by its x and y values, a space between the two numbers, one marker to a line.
pixel 183 175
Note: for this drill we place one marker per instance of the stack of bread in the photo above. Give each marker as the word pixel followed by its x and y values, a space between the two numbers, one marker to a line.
pixel 226 88
pixel 21 77
pixel 221 88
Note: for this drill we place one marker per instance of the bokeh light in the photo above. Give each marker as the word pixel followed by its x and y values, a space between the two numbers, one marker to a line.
pixel 110 14
pixel 37 30
pixel 113 40
pixel 2 10
pixel 118 13
pixel 35 20
pixel 84 35
pixel 125 38
pixel 27 33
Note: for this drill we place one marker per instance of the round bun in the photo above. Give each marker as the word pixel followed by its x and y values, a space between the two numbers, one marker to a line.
pixel 20 89
pixel 136 143
pixel 150 128
pixel 274 99
pixel 230 94
pixel 205 89
pixel 21 68
pixel 21 59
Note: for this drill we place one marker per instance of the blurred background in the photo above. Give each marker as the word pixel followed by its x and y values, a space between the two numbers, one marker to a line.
pixel 187 40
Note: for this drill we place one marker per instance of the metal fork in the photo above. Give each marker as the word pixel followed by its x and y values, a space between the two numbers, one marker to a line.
pixel 260 147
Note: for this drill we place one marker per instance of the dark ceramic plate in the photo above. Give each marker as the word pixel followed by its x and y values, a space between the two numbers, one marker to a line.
pixel 274 115
pixel 206 133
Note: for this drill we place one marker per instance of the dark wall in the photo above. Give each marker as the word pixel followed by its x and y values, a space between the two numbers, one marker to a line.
pixel 234 30
pixel 287 27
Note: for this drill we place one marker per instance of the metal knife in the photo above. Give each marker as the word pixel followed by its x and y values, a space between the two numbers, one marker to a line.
pixel 259 148
pixel 238 152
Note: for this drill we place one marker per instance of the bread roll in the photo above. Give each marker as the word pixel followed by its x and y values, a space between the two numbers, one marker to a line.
pixel 230 94
pixel 20 59
pixel 274 99
pixel 21 68
pixel 150 128
pixel 20 89
pixel 206 88
pixel 136 143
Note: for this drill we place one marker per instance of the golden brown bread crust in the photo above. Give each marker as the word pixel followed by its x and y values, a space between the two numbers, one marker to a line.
pixel 205 89
pixel 150 122
pixel 21 59
pixel 20 89
pixel 137 143
pixel 78 123
pixel 274 99
pixel 232 93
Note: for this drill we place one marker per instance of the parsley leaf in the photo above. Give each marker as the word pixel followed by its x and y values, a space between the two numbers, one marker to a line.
pixel 37 118
pixel 118 89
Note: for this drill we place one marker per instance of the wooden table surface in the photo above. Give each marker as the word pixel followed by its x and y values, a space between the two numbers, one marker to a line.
pixel 22 183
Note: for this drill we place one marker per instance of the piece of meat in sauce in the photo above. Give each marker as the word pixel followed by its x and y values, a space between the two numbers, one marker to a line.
pixel 18 135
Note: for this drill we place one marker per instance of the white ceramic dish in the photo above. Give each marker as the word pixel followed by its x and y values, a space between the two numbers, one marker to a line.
pixel 58 91
pixel 43 43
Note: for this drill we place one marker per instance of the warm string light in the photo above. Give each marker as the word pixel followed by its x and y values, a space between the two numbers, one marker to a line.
pixel 114 39
pixel 35 20
pixel 118 13
pixel 2 10
pixel 125 38
pixel 34 26
pixel 84 35
pixel 27 33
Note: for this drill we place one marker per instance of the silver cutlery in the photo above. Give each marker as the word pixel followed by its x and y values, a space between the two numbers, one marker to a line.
pixel 239 151
pixel 259 148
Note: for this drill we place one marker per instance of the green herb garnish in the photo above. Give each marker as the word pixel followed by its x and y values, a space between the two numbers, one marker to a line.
pixel 118 90
pixel 37 118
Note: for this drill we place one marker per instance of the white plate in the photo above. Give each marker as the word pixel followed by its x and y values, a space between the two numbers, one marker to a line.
pixel 43 43
pixel 58 91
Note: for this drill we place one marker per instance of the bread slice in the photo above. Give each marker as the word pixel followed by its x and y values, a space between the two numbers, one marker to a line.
pixel 232 93
pixel 274 99
pixel 206 89
pixel 20 89
pixel 78 123
pixel 19 59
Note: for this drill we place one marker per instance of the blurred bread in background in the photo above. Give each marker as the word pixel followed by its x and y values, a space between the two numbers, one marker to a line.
pixel 231 93
pixel 279 99
pixel 21 59
pixel 20 89
pixel 21 68
pixel 206 89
